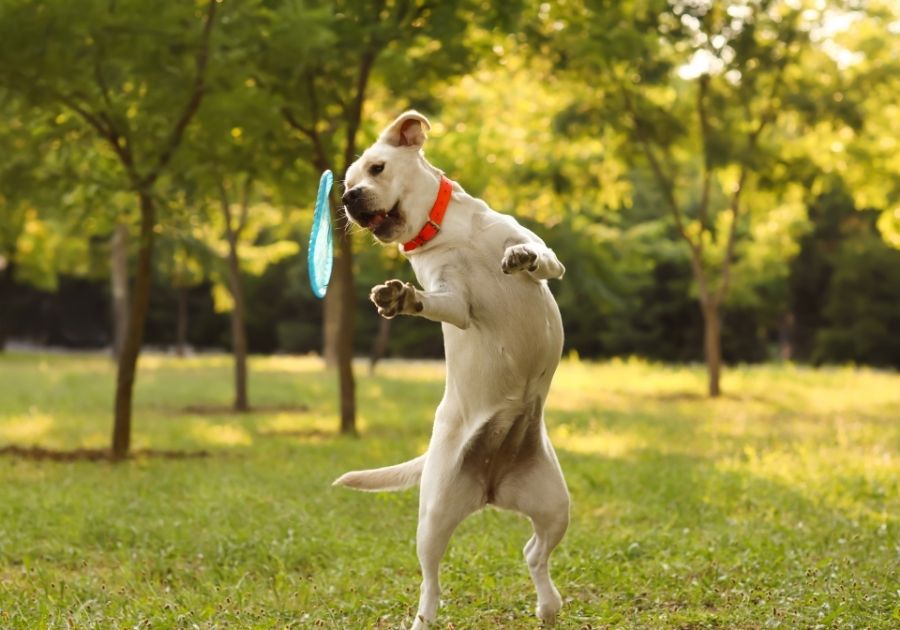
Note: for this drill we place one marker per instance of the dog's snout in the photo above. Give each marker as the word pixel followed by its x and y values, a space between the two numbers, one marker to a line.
pixel 351 195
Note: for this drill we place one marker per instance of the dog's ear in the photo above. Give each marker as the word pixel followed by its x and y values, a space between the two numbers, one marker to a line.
pixel 408 130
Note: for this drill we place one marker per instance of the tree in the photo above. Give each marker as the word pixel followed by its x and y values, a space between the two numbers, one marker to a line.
pixel 118 286
pixel 843 286
pixel 18 162
pixel 321 84
pixel 233 159
pixel 234 227
pixel 705 96
pixel 134 74
pixel 43 226
pixel 243 251
pixel 863 151
pixel 861 310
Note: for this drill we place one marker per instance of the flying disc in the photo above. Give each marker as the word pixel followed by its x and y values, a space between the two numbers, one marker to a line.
pixel 321 249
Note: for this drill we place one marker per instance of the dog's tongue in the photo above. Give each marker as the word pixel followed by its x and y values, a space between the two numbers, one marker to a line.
pixel 376 220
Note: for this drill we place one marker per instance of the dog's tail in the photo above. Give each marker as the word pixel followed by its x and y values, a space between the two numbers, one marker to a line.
pixel 391 478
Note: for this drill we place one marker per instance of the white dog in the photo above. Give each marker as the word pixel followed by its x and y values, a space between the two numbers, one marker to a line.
pixel 484 278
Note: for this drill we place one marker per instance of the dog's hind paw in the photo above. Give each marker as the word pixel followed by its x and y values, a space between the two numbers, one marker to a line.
pixel 547 609
pixel 519 258
pixel 547 615
pixel 395 297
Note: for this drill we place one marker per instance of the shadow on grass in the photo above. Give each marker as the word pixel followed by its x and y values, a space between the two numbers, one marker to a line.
pixel 39 453
pixel 784 400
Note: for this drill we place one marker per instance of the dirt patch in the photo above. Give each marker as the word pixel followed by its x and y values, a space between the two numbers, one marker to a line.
pixel 307 434
pixel 38 453
pixel 674 396
pixel 218 410
pixel 701 396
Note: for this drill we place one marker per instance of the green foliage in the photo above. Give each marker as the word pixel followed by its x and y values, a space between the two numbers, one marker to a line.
pixel 321 82
pixel 862 309
pixel 842 287
pixel 126 69
pixel 864 151
pixel 542 109
pixel 110 88
pixel 777 506
pixel 705 94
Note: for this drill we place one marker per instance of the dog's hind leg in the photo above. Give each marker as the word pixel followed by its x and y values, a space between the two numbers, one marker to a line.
pixel 446 498
pixel 539 491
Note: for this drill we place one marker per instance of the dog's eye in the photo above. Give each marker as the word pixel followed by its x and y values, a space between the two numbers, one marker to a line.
pixel 375 169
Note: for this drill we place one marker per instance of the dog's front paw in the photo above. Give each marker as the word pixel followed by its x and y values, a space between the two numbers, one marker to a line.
pixel 519 258
pixel 395 297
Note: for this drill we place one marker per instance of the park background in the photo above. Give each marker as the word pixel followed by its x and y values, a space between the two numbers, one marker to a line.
pixel 721 180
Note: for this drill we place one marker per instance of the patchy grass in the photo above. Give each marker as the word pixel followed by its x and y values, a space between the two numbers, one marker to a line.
pixel 776 506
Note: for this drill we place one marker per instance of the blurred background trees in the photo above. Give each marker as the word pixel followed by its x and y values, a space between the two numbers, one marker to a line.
pixel 722 179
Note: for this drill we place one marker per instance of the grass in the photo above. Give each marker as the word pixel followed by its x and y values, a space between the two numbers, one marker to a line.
pixel 775 506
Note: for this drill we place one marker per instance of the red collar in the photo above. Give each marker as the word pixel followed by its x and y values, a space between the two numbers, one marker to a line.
pixel 433 225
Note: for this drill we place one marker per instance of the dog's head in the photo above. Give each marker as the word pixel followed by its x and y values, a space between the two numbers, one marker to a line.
pixel 390 189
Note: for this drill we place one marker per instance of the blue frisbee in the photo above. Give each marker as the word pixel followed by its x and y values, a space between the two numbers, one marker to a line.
pixel 321 249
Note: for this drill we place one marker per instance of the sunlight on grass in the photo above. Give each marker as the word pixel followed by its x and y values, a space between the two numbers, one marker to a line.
pixel 306 427
pixel 599 442
pixel 158 361
pixel 291 364
pixel 220 434
pixel 783 495
pixel 95 440
pixel 25 428
pixel 410 370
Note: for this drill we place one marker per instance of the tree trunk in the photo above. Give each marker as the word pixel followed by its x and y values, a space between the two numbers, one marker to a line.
pixel 181 321
pixel 6 289
pixel 118 280
pixel 131 344
pixel 786 337
pixel 345 267
pixel 238 328
pixel 344 289
pixel 331 325
pixel 380 344
pixel 712 345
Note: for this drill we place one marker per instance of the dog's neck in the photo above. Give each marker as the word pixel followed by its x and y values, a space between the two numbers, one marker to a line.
pixel 435 217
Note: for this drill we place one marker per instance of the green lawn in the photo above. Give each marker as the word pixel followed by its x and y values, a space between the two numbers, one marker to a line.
pixel 776 506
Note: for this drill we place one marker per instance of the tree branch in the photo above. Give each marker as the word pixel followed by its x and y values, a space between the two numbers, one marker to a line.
pixel 107 115
pixel 226 208
pixel 354 113
pixel 766 117
pixel 321 157
pixel 193 103
pixel 245 205
pixel 732 236
pixel 93 120
pixel 103 126
pixel 667 187
pixel 313 98
pixel 702 210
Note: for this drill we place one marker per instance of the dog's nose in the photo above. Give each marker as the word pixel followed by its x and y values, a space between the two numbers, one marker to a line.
pixel 351 195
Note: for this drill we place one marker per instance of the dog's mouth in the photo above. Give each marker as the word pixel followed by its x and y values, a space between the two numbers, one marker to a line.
pixel 380 222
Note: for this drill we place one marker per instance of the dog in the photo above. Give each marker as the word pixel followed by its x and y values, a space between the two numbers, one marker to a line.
pixel 484 278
